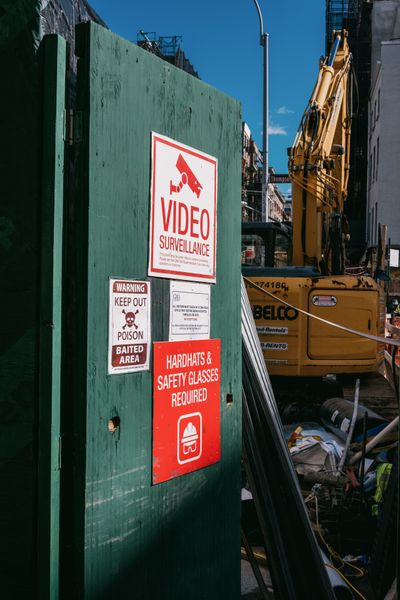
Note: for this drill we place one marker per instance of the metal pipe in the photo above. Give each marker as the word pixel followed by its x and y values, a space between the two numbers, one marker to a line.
pixel 375 441
pixel 260 18
pixel 322 88
pixel 266 211
pixel 335 48
pixel 264 44
pixel 362 464
pixel 351 429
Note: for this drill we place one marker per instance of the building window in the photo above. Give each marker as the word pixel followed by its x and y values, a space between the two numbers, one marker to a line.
pixel 372 226
pixel 370 170
pixel 374 166
pixel 376 223
pixel 377 157
pixel 358 151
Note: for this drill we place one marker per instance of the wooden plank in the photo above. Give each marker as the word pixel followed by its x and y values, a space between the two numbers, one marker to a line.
pixel 181 538
pixel 19 292
pixel 54 68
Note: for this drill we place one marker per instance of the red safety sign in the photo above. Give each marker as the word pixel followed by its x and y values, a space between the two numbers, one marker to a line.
pixel 183 224
pixel 186 412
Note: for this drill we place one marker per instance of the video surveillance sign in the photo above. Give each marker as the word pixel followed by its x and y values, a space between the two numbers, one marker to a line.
pixel 183 223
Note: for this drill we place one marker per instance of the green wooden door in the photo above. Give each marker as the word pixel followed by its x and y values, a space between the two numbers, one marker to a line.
pixel 181 538
pixel 48 420
pixel 31 192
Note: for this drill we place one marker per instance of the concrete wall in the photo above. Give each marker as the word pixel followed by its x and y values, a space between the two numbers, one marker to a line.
pixel 384 146
pixel 385 26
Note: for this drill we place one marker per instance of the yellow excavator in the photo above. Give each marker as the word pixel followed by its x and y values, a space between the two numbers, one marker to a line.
pixel 292 274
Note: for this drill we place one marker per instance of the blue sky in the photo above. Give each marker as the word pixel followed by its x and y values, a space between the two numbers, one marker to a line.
pixel 221 39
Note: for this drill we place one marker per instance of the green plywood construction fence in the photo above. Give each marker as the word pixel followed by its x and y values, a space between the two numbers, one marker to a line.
pixel 119 535
pixel 129 538
pixel 30 299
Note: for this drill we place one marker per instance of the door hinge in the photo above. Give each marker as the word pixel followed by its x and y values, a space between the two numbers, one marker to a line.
pixel 72 126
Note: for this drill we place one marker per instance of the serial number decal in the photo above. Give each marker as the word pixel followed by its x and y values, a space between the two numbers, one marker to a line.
pixel 274 285
pixel 273 312
pixel 274 345
pixel 272 330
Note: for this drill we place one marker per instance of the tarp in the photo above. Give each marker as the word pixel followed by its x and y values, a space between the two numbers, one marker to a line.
pixel 60 16
pixel 41 17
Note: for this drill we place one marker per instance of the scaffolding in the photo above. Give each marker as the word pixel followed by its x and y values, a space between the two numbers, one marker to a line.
pixel 355 16
pixel 340 14
pixel 168 48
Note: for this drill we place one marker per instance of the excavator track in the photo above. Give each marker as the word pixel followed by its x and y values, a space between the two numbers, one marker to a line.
pixel 376 393
pixel 301 398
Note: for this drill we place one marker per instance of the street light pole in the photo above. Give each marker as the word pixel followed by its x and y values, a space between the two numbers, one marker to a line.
pixel 264 44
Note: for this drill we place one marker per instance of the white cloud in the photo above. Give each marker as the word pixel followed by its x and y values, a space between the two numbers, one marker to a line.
pixel 284 110
pixel 274 129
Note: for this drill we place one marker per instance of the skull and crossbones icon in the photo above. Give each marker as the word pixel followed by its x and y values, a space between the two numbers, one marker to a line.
pixel 130 319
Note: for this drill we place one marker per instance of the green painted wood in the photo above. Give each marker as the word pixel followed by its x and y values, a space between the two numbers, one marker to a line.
pixel 179 539
pixel 20 159
pixel 49 440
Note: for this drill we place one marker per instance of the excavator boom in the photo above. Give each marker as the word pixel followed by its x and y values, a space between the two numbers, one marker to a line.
pixel 319 166
pixel 313 282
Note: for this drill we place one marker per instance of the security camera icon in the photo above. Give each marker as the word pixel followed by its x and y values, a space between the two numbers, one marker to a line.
pixel 187 178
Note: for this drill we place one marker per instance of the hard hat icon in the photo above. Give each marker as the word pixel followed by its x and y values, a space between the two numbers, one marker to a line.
pixel 189 433
pixel 189 439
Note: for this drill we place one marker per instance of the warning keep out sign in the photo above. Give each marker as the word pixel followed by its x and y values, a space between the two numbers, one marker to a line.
pixel 186 412
pixel 183 212
pixel 129 326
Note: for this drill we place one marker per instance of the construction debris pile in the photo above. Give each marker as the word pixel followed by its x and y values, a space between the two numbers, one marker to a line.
pixel 346 464
pixel 347 467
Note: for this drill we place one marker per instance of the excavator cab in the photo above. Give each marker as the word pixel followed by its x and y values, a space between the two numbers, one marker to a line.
pixel 266 245
pixel 293 343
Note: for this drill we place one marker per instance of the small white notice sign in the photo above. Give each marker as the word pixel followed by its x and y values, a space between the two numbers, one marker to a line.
pixel 128 326
pixel 189 311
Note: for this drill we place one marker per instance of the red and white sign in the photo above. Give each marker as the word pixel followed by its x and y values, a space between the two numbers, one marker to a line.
pixel 183 223
pixel 129 326
pixel 186 411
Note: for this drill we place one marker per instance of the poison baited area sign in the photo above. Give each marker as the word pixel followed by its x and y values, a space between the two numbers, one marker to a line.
pixel 129 326
pixel 183 224
pixel 186 411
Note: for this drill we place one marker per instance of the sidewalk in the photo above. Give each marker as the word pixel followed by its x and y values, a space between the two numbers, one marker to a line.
pixel 249 587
